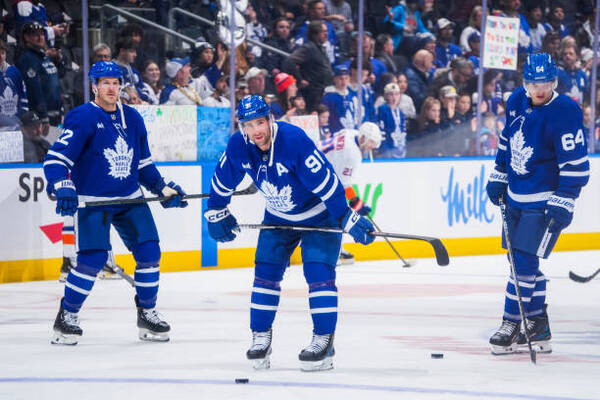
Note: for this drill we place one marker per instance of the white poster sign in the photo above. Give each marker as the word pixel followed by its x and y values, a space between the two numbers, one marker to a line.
pixel 501 43
pixel 11 147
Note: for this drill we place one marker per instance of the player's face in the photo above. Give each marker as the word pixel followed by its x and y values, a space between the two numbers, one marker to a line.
pixel 108 90
pixel 540 93
pixel 259 132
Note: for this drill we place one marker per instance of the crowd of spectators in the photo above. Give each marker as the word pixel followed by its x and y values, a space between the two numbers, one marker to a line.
pixel 419 81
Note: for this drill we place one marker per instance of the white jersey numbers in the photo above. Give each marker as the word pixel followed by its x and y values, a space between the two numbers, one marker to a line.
pixel 569 142
pixel 314 162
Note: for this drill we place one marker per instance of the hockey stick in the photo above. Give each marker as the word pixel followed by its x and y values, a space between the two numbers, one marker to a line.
pixel 249 190
pixel 441 254
pixel 511 260
pixel 405 264
pixel 119 271
pixel 583 279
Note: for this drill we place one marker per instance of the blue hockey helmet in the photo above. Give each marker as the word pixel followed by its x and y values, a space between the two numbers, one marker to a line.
pixel 252 107
pixel 539 68
pixel 105 69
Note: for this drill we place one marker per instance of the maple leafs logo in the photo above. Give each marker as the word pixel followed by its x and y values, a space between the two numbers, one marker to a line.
pixel 280 200
pixel 119 159
pixel 8 102
pixel 520 153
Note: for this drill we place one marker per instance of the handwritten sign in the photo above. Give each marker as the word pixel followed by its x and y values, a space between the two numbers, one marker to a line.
pixel 11 147
pixel 171 131
pixel 213 132
pixel 309 123
pixel 501 43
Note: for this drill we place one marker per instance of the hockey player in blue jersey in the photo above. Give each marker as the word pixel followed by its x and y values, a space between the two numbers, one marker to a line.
pixel 103 154
pixel 301 189
pixel 541 166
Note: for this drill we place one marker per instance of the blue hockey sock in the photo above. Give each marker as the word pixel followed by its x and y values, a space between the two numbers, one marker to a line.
pixel 526 266
pixel 322 297
pixel 147 272
pixel 81 278
pixel 265 296
pixel 538 298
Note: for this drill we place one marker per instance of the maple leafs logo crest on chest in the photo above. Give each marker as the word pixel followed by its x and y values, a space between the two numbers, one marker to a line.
pixel 119 159
pixel 520 153
pixel 280 200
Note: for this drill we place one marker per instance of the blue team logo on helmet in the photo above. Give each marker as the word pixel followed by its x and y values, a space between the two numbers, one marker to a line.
pixel 105 69
pixel 539 68
pixel 252 107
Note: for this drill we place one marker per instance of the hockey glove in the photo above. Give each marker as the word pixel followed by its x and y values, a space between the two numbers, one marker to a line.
pixel 560 210
pixel 358 227
pixel 222 225
pixel 497 186
pixel 173 193
pixel 66 197
pixel 360 207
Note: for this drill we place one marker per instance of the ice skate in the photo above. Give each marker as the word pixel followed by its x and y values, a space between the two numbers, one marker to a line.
pixel 504 341
pixel 67 265
pixel 539 335
pixel 318 355
pixel 152 327
pixel 66 327
pixel 260 350
pixel 345 258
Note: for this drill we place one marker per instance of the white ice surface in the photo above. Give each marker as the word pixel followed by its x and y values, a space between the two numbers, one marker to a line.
pixel 391 320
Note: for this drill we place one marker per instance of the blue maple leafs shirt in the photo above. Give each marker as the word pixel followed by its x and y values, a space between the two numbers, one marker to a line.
pixel 542 150
pixel 106 159
pixel 298 183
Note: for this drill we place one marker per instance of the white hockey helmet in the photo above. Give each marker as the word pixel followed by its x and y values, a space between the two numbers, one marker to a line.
pixel 370 131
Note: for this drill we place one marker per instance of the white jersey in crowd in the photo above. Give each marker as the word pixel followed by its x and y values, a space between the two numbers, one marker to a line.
pixel 343 153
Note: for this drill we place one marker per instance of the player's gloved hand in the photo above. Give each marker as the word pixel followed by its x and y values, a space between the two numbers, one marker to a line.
pixel 173 193
pixel 560 210
pixel 360 207
pixel 222 225
pixel 358 227
pixel 497 186
pixel 66 197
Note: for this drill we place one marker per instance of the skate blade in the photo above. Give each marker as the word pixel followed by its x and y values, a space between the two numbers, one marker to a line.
pixel 321 365
pixel 538 347
pixel 150 336
pixel 346 261
pixel 502 350
pixel 262 363
pixel 64 339
pixel 109 276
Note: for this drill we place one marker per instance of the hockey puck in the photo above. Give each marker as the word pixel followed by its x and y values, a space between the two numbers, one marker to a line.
pixel 242 380
pixel 437 355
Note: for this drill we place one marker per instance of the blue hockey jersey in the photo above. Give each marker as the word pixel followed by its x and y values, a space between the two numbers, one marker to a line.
pixel 13 95
pixel 542 150
pixel 298 183
pixel 342 108
pixel 106 159
pixel 572 83
pixel 393 125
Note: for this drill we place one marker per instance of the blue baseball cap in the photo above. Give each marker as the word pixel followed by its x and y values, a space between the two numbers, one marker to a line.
pixel 340 70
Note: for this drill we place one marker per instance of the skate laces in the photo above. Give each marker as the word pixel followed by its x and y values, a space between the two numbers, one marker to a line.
pixel 318 344
pixel 508 328
pixel 261 340
pixel 71 318
pixel 152 315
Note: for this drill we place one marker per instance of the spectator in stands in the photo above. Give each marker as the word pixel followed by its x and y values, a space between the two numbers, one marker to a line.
pixel 448 97
pixel 406 102
pixel 551 44
pixel 219 98
pixel 377 67
pixel 536 29
pixel 475 19
pixel 345 41
pixel 256 81
pixel 461 70
pixel 135 32
pixel 41 77
pixel 572 80
pixel 429 120
pixel 35 146
pixel 101 52
pixel 384 52
pixel 338 12
pixel 429 15
pixel 152 82
pixel 584 35
pixel 341 101
pixel 180 90
pixel 126 53
pixel 279 39
pixel 26 11
pixel 384 80
pixel 445 51
pixel 254 30
pixel 463 107
pixel 491 97
pixel 368 95
pixel 316 12
pixel 323 114
pixel 391 121
pixel 473 54
pixel 510 9
pixel 205 83
pixel 10 41
pixel 587 62
pixel 417 75
pixel 286 87
pixel 404 22
pixel 310 65
pixel 13 94
pixel 241 90
pixel 129 95
pixel 555 20
pixel 298 107
pixel 202 58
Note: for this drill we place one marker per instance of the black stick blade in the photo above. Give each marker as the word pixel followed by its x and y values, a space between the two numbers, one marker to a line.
pixel 582 279
pixel 441 254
